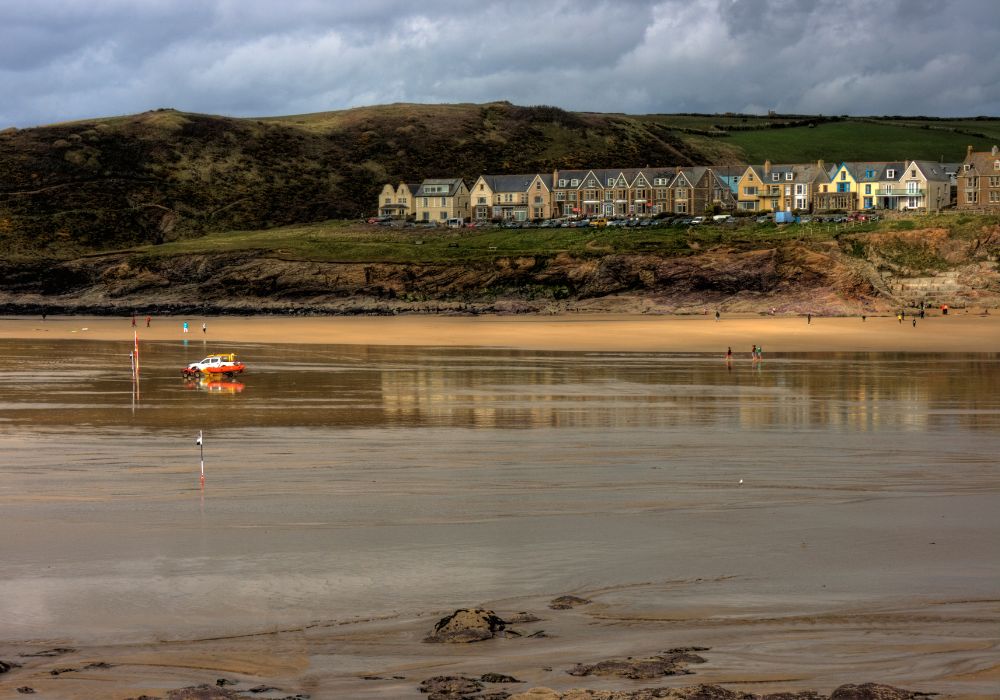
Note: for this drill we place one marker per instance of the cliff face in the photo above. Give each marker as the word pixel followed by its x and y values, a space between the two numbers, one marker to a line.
pixel 852 275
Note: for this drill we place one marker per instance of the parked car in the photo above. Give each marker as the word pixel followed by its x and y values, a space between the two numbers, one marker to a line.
pixel 697 221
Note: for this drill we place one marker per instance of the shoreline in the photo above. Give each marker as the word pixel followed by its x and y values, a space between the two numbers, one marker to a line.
pixel 954 333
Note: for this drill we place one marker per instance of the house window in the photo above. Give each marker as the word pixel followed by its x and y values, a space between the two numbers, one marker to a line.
pixel 538 185
pixel 681 208
pixel 966 167
pixel 971 197
pixel 800 189
pixel 482 200
pixel 775 177
pixel 444 216
pixel 562 183
pixel 994 181
pixel 750 191
pixel 843 174
pixel 748 206
pixel 913 173
pixel 996 165
pixel 574 183
pixel 681 192
pixel 868 189
pixel 426 200
pixel 890 174
pixel 611 182
pixel 388 200
pixel 538 200
pixel 444 201
pixel 994 197
pixel 482 187
pixel 869 174
pixel 788 175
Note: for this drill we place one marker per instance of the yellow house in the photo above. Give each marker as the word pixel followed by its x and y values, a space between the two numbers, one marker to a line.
pixel 397 202
pixel 840 193
pixel 752 192
pixel 441 200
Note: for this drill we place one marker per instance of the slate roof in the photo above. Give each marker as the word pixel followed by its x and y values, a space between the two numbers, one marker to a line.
pixel 453 185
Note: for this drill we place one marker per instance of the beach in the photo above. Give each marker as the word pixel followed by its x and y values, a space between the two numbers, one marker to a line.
pixel 827 515
pixel 956 332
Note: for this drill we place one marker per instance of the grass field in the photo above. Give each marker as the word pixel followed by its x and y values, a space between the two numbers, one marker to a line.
pixel 855 140
pixel 337 241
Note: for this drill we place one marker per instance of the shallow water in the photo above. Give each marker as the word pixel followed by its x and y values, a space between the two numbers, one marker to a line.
pixel 350 481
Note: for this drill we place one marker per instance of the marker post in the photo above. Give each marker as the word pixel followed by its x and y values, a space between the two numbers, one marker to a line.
pixel 201 447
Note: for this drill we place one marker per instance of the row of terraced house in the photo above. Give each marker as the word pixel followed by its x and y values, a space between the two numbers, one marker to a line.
pixel 912 185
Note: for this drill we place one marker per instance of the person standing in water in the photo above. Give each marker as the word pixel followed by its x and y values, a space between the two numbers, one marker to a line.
pixel 729 354
pixel 753 353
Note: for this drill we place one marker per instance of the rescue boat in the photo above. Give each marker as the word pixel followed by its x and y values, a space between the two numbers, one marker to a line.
pixel 221 365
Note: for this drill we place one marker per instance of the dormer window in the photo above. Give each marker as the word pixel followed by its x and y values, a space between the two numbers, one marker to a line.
pixel 966 167
pixel 611 182
pixel 562 183
pixel 788 175
pixel 775 177
pixel 996 165
pixel 574 183
pixel 890 174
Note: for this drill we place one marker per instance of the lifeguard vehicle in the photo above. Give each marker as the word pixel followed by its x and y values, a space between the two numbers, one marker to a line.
pixel 221 365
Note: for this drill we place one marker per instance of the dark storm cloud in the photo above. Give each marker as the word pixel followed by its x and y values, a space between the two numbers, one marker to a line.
pixel 66 59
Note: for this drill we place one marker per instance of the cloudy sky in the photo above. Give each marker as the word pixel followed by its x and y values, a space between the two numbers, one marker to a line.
pixel 69 59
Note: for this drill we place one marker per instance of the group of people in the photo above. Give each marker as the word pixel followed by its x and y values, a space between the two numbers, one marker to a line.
pixel 756 353
pixel 148 320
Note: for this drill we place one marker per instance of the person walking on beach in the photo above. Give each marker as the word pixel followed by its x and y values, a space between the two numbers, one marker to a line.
pixel 133 320
pixel 204 328
pixel 760 352
pixel 717 315
pixel 185 326
pixel 914 323
pixel 899 317
pixel 729 354
pixel 753 353
pixel 809 319
pixel 148 319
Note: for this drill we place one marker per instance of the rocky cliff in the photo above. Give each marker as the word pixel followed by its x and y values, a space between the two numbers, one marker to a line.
pixel 852 274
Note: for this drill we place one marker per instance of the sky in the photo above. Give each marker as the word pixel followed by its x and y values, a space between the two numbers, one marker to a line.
pixel 72 59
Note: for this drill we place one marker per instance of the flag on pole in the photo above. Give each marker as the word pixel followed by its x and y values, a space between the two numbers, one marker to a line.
pixel 136 333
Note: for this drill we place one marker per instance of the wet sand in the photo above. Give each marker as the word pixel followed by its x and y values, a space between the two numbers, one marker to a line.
pixel 956 332
pixel 846 557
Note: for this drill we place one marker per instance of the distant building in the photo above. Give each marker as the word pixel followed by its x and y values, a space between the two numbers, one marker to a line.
pixel 979 180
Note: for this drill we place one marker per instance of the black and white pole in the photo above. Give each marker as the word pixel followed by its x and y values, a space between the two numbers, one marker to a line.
pixel 200 442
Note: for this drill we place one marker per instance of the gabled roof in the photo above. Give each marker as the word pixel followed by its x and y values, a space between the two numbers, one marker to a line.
pixel 935 171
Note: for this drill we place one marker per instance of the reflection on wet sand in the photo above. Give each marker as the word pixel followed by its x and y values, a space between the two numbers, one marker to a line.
pixel 798 506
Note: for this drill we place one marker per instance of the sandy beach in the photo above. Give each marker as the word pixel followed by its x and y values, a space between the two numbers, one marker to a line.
pixel 367 492
pixel 957 332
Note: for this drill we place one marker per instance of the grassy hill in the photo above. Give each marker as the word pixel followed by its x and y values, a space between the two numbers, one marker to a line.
pixel 161 176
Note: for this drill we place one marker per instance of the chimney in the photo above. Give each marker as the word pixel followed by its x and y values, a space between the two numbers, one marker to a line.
pixel 677 169
pixel 968 152
pixel 994 150
pixel 767 167
pixel 821 165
